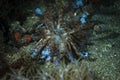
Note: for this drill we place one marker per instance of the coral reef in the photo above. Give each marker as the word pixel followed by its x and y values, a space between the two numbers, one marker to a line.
pixel 58 37
pixel 62 36
pixel 52 40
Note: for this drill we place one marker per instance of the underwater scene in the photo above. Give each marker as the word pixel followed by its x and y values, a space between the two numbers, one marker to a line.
pixel 59 39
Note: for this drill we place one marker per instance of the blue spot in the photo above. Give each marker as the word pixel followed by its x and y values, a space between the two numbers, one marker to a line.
pixel 34 53
pixel 70 56
pixel 56 62
pixel 46 54
pixel 48 58
pixel 78 3
pixel 84 54
pixel 83 18
pixel 38 11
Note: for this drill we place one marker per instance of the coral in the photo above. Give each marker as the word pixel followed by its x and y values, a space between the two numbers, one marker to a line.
pixel 80 71
pixel 68 72
pixel 38 11
pixel 62 36
pixel 58 38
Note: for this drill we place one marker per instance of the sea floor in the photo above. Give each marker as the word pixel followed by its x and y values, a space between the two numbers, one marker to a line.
pixel 106 49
